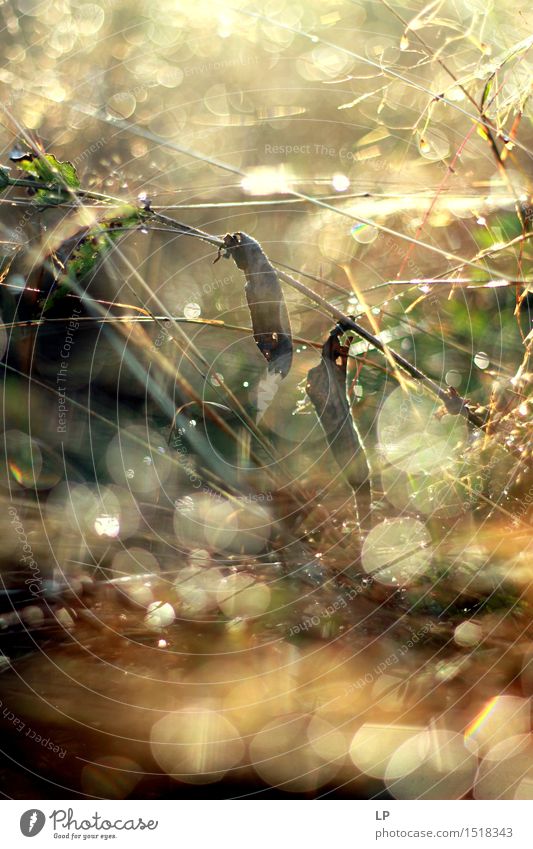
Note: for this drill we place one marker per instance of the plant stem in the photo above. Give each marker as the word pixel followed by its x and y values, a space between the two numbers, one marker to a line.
pixel 454 403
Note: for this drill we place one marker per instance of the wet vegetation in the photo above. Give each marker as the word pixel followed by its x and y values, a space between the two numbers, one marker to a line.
pixel 265 473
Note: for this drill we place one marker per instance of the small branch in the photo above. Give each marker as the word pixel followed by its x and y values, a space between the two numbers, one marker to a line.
pixel 452 401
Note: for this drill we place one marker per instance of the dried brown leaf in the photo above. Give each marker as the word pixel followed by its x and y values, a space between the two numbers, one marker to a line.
pixel 326 388
pixel 268 311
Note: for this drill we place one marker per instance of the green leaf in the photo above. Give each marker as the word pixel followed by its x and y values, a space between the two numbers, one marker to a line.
pixel 91 248
pixel 487 91
pixel 60 176
pixel 4 177
pixel 100 239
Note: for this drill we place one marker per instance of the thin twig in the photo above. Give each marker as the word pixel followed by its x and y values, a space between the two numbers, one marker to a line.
pixel 454 403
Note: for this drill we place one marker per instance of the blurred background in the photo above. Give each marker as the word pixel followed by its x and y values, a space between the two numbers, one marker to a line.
pixel 188 604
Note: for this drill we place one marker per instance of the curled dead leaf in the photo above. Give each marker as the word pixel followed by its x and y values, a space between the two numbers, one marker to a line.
pixel 326 388
pixel 268 311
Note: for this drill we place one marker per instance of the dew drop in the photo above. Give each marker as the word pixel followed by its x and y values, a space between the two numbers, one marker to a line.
pixel 192 310
pixel 481 360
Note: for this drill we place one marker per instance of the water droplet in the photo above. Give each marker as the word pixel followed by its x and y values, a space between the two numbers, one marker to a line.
pixel 453 378
pixel 106 525
pixel 434 145
pixel 481 360
pixel 340 182
pixel 364 233
pixel 192 310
